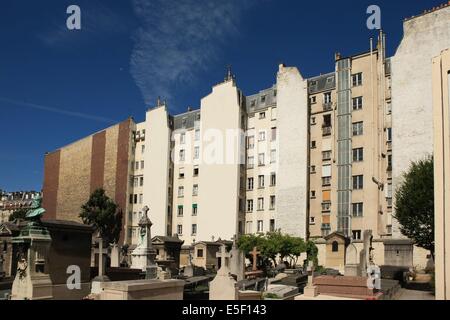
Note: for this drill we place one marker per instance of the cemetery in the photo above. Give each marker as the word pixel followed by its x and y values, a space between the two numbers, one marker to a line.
pixel 64 260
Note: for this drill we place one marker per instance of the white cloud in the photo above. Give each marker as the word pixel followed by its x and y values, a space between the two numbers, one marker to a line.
pixel 177 39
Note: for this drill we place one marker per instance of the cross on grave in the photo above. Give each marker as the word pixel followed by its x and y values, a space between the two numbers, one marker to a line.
pixel 255 253
pixel 223 255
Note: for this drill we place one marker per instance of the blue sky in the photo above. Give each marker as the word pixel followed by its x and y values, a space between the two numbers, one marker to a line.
pixel 57 85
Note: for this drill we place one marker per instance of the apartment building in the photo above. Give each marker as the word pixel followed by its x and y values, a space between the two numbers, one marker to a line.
pixel 350 147
pixel 13 201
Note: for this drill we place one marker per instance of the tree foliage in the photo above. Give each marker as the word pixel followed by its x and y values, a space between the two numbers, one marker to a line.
pixel 274 246
pixel 414 204
pixel 102 213
pixel 18 214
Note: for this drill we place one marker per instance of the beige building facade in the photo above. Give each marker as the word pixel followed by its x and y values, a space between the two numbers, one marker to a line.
pixel 441 116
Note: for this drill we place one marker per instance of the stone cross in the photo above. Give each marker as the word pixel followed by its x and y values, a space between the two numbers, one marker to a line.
pixel 255 253
pixel 223 255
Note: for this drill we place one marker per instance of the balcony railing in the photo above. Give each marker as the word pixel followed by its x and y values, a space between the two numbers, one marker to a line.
pixel 326 131
pixel 327 106
pixel 326 181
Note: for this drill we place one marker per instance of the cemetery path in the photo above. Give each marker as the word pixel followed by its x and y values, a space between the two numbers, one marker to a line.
pixel 405 294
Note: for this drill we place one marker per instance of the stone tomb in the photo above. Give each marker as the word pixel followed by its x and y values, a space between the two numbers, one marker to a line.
pixel 223 287
pixel 142 290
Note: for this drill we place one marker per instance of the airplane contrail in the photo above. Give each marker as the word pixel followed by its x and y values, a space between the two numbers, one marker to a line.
pixel 57 110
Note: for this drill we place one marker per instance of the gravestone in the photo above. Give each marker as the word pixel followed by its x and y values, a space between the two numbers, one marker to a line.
pixel 351 261
pixel 255 254
pixel 102 277
pixel 282 291
pixel 143 257
pixel 365 256
pixel 311 290
pixel 237 262
pixel 223 287
pixel 188 270
pixel 115 256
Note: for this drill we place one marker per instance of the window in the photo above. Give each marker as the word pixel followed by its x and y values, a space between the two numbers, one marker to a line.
pixel 183 138
pixel 135 199
pixel 180 211
pixel 389 134
pixel 389 162
pixel 182 155
pixel 313 169
pixel 357 79
pixel 136 165
pixel 313 194
pixel 260 226
pixel 326 229
pixel 274 113
pixel 358 182
pixel 143 149
pixel 260 204
pixel 194 229
pixel 199 253
pixel 312 220
pixel 261 182
pixel 136 181
pixel 312 100
pixel 313 121
pixel 180 192
pixel 131 199
pixel 357 103
pixel 196 171
pixel 250 142
pixel 356 234
pixel 180 229
pixel 272 202
pixel 313 145
pixel 335 246
pixel 326 207
pixel 250 162
pixel 249 205
pixel 197 134
pixel 273 179
pixel 263 99
pixel 358 128
pixel 326 155
pixel 141 181
pixel 273 156
pixel 262 136
pixel 250 184
pixel 195 190
pixel 262 115
pixel 181 173
pixel 142 164
pixel 196 153
pixel 261 160
pixel 389 108
pixel 272 225
pixel 327 97
pixel 358 155
pixel 358 209
pixel 274 134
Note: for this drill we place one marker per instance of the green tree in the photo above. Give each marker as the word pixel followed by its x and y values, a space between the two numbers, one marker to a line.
pixel 312 252
pixel 18 214
pixel 104 215
pixel 414 204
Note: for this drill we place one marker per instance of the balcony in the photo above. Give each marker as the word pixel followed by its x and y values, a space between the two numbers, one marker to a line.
pixel 326 182
pixel 327 106
pixel 326 131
